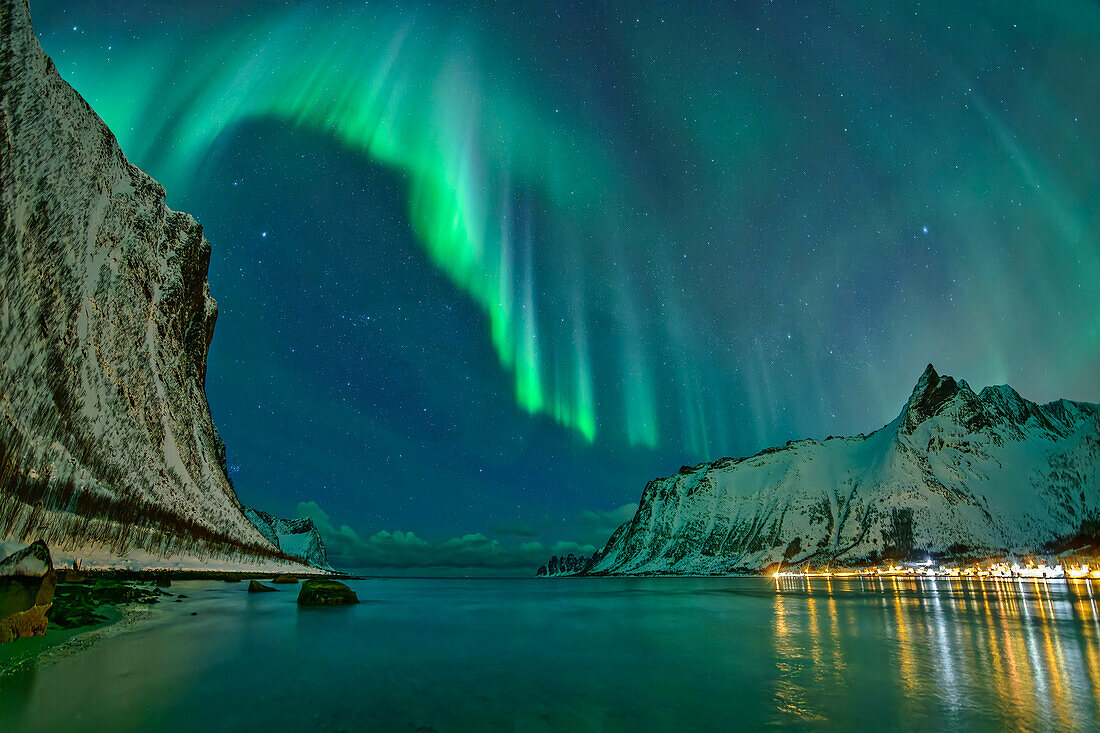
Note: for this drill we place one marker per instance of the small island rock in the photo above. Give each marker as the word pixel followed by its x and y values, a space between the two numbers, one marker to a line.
pixel 284 578
pixel 326 593
pixel 257 587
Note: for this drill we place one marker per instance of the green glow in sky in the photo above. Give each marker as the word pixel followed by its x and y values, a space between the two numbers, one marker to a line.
pixel 684 235
pixel 410 95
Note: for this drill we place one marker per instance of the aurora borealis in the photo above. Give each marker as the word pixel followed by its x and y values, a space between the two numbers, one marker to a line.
pixel 497 266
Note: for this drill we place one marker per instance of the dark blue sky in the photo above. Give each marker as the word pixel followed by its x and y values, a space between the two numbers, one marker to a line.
pixel 483 272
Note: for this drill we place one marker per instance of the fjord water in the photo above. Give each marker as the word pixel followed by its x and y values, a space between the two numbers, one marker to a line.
pixel 592 654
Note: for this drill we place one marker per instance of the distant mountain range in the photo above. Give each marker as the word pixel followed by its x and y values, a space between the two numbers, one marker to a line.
pixel 957 473
pixel 566 565
pixel 107 447
pixel 296 537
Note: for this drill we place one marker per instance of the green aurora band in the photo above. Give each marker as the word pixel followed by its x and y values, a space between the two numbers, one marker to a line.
pixel 414 103
pixel 495 171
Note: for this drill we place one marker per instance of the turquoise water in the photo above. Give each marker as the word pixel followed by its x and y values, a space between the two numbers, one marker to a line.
pixel 588 655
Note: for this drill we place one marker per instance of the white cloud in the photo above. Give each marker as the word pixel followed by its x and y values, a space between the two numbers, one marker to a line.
pixel 346 548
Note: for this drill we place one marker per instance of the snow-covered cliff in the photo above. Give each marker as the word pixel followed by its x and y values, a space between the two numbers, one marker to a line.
pixel 106 440
pixel 955 473
pixel 296 537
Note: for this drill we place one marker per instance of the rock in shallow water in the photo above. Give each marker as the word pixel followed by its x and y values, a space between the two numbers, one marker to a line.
pixel 255 587
pixel 326 593
pixel 27 583
pixel 284 579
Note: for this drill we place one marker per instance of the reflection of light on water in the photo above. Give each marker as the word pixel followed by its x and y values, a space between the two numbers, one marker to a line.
pixel 1020 672
pixel 1002 663
pixel 838 648
pixel 1092 634
pixel 790 696
pixel 946 657
pixel 1061 693
pixel 1035 663
pixel 994 652
pixel 815 640
pixel 913 681
pixel 1057 662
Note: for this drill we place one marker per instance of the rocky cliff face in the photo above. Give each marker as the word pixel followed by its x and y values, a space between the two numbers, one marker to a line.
pixel 298 538
pixel 957 472
pixel 568 565
pixel 106 440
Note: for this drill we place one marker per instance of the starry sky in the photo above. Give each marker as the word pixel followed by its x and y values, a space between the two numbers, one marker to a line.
pixel 484 270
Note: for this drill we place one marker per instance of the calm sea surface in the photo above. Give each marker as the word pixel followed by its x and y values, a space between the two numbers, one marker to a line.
pixel 589 655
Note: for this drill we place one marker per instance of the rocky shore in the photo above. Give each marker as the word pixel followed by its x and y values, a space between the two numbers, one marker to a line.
pixel 46 613
pixel 43 611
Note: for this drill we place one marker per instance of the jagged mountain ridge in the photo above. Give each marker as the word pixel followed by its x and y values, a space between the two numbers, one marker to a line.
pixel 566 565
pixel 956 472
pixel 106 439
pixel 296 537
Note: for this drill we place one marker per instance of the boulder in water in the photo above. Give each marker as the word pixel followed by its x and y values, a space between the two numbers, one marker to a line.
pixel 326 593
pixel 27 583
pixel 257 587
pixel 284 578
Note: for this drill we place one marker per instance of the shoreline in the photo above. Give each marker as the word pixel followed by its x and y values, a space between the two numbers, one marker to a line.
pixel 126 599
pixel 250 661
pixel 26 655
pixel 230 576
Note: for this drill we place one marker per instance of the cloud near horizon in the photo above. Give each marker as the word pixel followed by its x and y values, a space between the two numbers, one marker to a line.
pixel 384 549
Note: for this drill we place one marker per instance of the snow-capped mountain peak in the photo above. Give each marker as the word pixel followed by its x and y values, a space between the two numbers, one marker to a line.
pixel 956 472
pixel 296 537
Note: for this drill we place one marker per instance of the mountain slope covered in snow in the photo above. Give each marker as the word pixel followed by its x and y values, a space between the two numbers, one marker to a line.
pixel 296 537
pixel 107 446
pixel 956 473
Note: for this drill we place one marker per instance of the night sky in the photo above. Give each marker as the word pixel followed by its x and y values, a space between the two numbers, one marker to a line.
pixel 484 271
